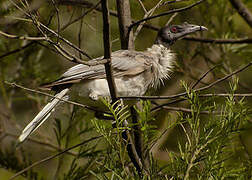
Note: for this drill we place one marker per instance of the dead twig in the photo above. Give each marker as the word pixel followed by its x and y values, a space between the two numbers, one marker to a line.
pixel 165 13
pixel 22 37
pixel 147 14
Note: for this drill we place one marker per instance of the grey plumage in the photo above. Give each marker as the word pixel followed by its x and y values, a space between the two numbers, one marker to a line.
pixel 42 116
pixel 134 72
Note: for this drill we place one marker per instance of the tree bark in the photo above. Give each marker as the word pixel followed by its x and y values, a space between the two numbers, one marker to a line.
pixel 242 10
pixel 124 21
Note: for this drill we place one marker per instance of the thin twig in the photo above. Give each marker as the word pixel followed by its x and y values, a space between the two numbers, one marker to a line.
pixel 182 94
pixel 171 2
pixel 165 13
pixel 142 5
pixel 171 19
pixel 69 56
pixel 147 14
pixel 22 37
pixel 17 50
pixel 49 95
pixel 58 18
pixel 204 75
pixel 80 36
pixel 80 17
pixel 186 110
pixel 52 157
pixel 226 95
pixel 219 41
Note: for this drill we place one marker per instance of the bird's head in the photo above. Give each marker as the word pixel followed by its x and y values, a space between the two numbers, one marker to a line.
pixel 170 34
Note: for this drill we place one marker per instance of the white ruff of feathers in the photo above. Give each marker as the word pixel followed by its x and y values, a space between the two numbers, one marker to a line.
pixel 163 64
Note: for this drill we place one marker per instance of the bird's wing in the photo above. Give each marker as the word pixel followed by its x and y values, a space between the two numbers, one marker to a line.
pixel 127 63
pixel 123 62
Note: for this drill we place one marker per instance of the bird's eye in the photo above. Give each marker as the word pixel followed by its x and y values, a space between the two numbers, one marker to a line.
pixel 174 29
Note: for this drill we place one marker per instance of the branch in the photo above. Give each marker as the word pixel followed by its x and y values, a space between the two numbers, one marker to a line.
pixel 219 41
pixel 174 1
pixel 204 75
pixel 51 96
pixel 186 110
pixel 226 95
pixel 65 40
pixel 22 37
pixel 147 14
pixel 124 21
pixel 107 50
pixel 80 17
pixel 165 13
pixel 243 11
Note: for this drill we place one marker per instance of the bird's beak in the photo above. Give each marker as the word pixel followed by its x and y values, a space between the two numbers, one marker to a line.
pixel 191 28
pixel 195 28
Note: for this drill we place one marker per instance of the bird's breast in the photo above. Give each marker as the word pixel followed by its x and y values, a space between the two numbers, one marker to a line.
pixel 89 91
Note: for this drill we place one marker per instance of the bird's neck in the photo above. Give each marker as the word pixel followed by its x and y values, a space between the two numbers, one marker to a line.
pixel 165 43
pixel 164 60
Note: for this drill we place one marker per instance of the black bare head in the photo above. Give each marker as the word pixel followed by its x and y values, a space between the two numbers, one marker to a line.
pixel 169 34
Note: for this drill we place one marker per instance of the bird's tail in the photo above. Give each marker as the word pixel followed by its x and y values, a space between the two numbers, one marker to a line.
pixel 42 116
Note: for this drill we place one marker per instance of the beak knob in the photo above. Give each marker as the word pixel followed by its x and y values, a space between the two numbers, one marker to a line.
pixel 202 28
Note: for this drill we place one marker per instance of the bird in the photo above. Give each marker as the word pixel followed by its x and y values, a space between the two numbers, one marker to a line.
pixel 134 73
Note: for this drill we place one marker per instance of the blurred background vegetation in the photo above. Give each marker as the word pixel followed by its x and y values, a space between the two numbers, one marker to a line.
pixel 178 142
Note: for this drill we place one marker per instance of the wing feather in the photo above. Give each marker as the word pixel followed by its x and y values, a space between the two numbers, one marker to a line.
pixel 123 63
